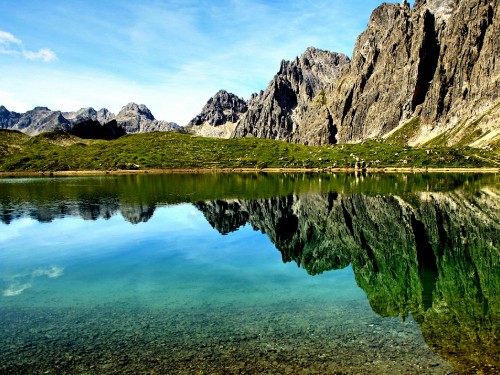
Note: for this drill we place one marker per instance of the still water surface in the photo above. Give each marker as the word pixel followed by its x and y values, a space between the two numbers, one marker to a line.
pixel 250 273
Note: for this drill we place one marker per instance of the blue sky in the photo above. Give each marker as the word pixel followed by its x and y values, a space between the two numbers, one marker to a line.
pixel 171 55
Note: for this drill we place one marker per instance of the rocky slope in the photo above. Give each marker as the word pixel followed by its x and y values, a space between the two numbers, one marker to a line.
pixel 219 116
pixel 436 63
pixel 102 116
pixel 426 74
pixel 279 112
pixel 132 118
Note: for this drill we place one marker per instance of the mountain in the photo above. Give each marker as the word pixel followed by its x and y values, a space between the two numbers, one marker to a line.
pixel 86 122
pixel 137 118
pixel 279 112
pixel 103 116
pixel 8 119
pixel 426 75
pixel 219 116
pixel 33 122
pixel 422 73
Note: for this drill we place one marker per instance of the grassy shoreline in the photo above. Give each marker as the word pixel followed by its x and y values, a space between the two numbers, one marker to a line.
pixel 61 153
pixel 4 174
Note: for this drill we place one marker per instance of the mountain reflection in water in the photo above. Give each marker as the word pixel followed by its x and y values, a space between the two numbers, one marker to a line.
pixel 434 255
pixel 429 248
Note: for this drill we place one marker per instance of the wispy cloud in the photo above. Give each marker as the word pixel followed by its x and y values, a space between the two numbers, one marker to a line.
pixel 10 45
pixel 8 38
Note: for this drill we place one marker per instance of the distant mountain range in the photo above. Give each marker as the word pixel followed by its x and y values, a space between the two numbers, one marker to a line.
pixel 86 122
pixel 427 75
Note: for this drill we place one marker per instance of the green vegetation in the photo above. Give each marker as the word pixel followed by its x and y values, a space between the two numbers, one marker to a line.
pixel 58 151
pixel 467 132
pixel 403 135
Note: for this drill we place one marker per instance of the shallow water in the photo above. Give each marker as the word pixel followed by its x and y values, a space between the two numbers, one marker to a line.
pixel 250 274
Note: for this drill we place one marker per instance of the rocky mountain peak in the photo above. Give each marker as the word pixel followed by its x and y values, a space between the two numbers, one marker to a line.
pixel 278 112
pixel 137 118
pixel 133 109
pixel 220 109
pixel 86 122
pixel 40 109
pixel 441 9
pixel 422 73
pixel 103 116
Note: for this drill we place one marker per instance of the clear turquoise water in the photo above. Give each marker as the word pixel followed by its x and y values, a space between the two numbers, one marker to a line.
pixel 171 294
pixel 175 260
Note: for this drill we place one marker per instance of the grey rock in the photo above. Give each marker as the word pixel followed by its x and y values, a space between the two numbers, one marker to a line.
pixel 103 116
pixel 38 120
pixel 279 112
pixel 8 119
pixel 137 118
pixel 132 118
pixel 437 61
pixel 220 109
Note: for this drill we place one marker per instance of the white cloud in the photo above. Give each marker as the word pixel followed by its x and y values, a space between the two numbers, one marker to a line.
pixel 8 38
pixel 10 45
pixel 44 54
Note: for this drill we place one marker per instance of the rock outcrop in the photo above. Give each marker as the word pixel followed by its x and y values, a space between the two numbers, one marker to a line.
pixel 219 116
pixel 102 116
pixel 279 112
pixel 8 119
pixel 429 74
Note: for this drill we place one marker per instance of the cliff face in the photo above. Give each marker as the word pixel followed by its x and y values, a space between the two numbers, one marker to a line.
pixel 102 116
pixel 436 62
pixel 279 112
pixel 33 122
pixel 427 74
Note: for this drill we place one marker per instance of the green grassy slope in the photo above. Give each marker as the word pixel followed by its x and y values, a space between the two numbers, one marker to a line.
pixel 58 151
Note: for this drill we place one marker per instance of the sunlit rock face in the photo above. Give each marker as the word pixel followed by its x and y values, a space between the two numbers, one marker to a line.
pixel 33 122
pixel 432 255
pixel 436 61
pixel 279 112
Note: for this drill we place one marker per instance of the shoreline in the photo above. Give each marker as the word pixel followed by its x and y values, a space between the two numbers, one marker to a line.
pixel 4 174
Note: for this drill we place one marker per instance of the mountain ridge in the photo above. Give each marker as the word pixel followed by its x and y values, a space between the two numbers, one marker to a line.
pixel 132 118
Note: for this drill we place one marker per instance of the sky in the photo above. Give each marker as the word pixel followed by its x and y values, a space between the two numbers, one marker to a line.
pixel 171 55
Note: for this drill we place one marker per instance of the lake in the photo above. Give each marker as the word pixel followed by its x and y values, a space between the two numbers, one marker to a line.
pixel 250 273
